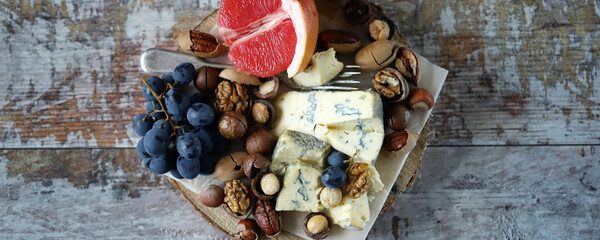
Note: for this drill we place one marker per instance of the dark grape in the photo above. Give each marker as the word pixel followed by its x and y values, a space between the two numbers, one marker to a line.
pixel 188 168
pixel 189 146
pixel 166 126
pixel 142 124
pixel 207 143
pixel 156 142
pixel 337 159
pixel 333 177
pixel 175 173
pixel 153 105
pixel 168 78
pixel 147 162
pixel 184 73
pixel 161 164
pixel 220 143
pixel 207 165
pixel 157 84
pixel 176 102
pixel 200 115
pixel 199 97
pixel 141 152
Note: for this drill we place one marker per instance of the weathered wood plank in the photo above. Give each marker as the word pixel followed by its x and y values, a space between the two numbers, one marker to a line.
pixel 521 72
pixel 460 193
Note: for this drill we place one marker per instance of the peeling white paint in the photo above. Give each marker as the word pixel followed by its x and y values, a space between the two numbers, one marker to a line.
pixel 448 21
pixel 149 35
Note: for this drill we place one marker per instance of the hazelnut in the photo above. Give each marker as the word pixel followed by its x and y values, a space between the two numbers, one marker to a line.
pixel 260 113
pixel 376 55
pixel 398 117
pixel 253 163
pixel 233 125
pixel 235 75
pixel 212 196
pixel 340 41
pixel 357 11
pixel 207 79
pixel 420 99
pixel 269 184
pixel 395 141
pixel 269 89
pixel 230 166
pixel 330 197
pixel 260 141
pixel 316 225
pixel 247 229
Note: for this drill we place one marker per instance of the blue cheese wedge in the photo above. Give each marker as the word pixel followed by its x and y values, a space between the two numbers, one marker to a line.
pixel 351 213
pixel 293 147
pixel 300 187
pixel 352 120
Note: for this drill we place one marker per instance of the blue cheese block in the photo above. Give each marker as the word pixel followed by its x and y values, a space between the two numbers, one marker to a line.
pixel 300 186
pixel 293 147
pixel 351 213
pixel 363 141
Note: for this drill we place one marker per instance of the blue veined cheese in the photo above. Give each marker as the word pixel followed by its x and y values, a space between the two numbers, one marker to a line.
pixel 301 184
pixel 351 213
pixel 305 111
pixel 363 141
pixel 293 146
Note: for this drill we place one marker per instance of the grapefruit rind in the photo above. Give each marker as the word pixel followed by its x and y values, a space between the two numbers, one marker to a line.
pixel 306 23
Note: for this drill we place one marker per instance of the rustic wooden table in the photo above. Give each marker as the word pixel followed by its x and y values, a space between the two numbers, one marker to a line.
pixel 512 151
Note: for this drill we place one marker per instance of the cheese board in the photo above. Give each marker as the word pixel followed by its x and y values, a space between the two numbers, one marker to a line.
pixel 309 127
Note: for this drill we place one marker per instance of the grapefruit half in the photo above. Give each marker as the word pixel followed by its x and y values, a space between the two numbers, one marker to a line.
pixel 266 37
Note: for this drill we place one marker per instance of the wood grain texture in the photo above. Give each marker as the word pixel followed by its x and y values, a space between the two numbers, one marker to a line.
pixel 460 193
pixel 520 72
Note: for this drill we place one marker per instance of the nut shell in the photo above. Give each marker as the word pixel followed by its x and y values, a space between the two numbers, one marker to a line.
pixel 381 28
pixel 212 196
pixel 257 186
pixel 357 11
pixel 408 64
pixel 257 115
pixel 235 75
pixel 420 99
pixel 260 141
pixel 207 79
pixel 254 163
pixel 201 44
pixel 376 55
pixel 390 84
pixel 340 41
pixel 320 235
pixel 267 218
pixel 233 125
pixel 395 141
pixel 230 167
pixel 269 89
pixel 247 229
pixel 399 117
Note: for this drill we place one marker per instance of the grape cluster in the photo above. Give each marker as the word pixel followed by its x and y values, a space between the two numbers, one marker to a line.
pixel 179 132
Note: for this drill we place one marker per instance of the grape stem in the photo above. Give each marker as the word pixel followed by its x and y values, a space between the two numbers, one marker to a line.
pixel 159 98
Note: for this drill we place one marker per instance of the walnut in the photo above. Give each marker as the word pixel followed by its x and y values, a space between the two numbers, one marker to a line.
pixel 231 97
pixel 237 197
pixel 359 180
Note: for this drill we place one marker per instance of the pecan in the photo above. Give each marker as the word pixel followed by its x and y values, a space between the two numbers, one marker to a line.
pixel 359 180
pixel 390 84
pixel 237 197
pixel 376 55
pixel 395 141
pixel 267 218
pixel 203 42
pixel 340 41
pixel 231 97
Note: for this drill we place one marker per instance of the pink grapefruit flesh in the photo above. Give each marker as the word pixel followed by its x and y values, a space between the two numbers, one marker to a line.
pixel 267 37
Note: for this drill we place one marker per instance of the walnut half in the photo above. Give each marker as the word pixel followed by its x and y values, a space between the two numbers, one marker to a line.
pixel 237 198
pixel 231 97
pixel 359 180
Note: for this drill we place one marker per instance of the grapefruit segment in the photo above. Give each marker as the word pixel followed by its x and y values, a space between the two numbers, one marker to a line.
pixel 267 37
